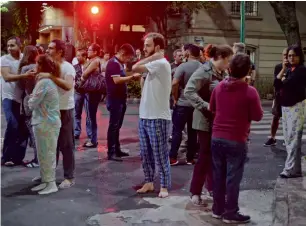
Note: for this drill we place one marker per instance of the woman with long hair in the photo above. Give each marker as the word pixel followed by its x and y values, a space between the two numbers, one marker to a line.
pixel 93 98
pixel 46 122
pixel 27 63
pixel 198 91
pixel 292 82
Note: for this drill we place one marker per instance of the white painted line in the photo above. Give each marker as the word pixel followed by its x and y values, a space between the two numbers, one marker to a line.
pixel 282 137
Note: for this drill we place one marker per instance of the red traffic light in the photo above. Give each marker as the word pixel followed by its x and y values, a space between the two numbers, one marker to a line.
pixel 94 10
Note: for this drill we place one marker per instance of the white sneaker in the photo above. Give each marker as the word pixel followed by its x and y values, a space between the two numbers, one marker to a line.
pixel 66 184
pixel 216 216
pixel 50 188
pixel 39 187
pixel 36 179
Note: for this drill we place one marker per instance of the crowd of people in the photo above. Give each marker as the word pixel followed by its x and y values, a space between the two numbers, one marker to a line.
pixel 208 94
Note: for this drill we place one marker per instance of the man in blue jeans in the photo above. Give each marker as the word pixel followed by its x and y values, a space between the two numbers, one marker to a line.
pixel 183 110
pixel 116 80
pixel 16 135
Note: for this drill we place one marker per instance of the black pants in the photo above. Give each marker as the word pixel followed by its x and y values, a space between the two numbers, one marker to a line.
pixel 181 116
pixel 66 144
pixel 116 115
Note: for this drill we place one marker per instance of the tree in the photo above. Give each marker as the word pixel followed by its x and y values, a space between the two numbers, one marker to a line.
pixel 285 13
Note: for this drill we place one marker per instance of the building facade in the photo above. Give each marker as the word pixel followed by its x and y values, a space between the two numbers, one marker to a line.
pixel 264 38
pixel 55 25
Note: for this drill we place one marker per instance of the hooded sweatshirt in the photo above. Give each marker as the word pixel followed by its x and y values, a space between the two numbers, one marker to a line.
pixel 234 104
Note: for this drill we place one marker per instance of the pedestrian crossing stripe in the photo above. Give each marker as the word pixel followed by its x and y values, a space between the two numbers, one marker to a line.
pixel 264 127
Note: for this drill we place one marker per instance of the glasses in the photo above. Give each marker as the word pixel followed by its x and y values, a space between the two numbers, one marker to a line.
pixel 291 56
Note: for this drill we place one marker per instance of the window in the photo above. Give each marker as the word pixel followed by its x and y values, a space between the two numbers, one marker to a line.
pixel 251 8
pixel 251 52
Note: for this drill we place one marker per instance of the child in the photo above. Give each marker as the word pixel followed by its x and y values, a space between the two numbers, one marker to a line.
pixel 235 104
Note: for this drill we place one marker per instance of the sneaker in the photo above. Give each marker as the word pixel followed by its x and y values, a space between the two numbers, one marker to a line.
pixel 236 218
pixel 270 142
pixel 67 184
pixel 216 216
pixel 170 139
pixel 173 162
pixel 122 154
pixel 36 179
pixel 190 162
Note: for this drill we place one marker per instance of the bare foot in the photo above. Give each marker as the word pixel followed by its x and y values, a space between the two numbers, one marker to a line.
pixel 163 193
pixel 147 187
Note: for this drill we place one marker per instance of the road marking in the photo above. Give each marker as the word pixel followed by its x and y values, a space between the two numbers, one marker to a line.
pixel 264 127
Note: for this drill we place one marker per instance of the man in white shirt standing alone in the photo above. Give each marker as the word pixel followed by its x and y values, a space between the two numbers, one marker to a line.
pixel 65 83
pixel 154 113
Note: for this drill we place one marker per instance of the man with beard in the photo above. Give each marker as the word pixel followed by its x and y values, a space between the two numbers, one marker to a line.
pixel 65 83
pixel 178 59
pixel 154 113
pixel 183 110
pixel 13 151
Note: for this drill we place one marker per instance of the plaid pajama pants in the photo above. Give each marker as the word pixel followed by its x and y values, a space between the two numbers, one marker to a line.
pixel 153 135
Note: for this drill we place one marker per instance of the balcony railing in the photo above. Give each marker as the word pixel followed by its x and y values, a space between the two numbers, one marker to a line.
pixel 251 8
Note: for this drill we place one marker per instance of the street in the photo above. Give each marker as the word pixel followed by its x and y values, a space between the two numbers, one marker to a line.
pixel 105 192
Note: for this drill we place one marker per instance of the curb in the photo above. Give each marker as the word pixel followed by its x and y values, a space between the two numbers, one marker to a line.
pixel 284 202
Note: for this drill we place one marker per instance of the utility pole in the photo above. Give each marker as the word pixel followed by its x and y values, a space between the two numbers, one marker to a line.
pixel 242 21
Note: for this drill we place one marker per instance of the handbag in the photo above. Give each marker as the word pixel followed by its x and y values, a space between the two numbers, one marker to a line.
pixel 94 83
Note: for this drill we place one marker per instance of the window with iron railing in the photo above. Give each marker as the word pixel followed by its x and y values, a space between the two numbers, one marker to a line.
pixel 251 8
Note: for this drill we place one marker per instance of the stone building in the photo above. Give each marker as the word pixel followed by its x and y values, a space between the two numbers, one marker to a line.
pixel 264 37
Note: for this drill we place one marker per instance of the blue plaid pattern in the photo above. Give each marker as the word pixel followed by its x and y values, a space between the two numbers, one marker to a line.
pixel 153 135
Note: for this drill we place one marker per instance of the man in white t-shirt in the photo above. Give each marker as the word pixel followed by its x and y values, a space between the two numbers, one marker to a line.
pixel 154 113
pixel 13 152
pixel 65 83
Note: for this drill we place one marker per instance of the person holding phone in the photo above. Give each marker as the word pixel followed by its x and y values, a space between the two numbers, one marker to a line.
pixel 292 82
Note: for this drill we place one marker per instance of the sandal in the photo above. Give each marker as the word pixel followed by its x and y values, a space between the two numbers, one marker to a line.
pixel 88 144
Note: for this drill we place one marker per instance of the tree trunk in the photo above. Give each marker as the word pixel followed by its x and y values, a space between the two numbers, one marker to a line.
pixel 285 14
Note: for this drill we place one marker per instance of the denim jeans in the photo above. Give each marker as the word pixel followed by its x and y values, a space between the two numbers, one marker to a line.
pixel 228 159
pixel 80 101
pixel 181 116
pixel 16 135
pixel 93 104
pixel 116 115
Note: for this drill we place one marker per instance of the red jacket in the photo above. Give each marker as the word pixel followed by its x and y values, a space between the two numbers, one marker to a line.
pixel 235 104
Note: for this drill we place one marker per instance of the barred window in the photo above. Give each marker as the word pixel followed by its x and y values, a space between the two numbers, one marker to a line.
pixel 251 8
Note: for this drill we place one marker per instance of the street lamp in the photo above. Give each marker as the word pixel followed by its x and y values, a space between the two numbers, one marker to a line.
pixel 242 21
pixel 94 10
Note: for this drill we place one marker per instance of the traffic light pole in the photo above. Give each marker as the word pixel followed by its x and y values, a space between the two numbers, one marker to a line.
pixel 94 36
pixel 242 21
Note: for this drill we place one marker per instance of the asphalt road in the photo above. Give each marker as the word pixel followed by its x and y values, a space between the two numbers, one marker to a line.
pixel 105 187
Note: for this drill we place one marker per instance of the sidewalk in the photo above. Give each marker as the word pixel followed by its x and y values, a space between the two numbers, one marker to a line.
pixel 290 200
